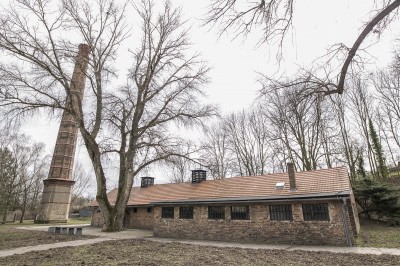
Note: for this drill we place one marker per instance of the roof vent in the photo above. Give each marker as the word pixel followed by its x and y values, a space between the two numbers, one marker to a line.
pixel 147 181
pixel 280 185
pixel 198 176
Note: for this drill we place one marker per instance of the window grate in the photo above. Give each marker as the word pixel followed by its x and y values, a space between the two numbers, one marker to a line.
pixel 149 209
pixel 316 212
pixel 167 212
pixel 216 212
pixel 240 213
pixel 281 212
pixel 185 212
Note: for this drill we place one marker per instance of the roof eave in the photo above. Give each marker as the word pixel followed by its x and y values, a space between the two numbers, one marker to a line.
pixel 317 196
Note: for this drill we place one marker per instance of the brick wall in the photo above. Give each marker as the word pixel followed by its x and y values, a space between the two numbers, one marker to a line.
pixel 259 228
pixel 97 218
pixel 141 219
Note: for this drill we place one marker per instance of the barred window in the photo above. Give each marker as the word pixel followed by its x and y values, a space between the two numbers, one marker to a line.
pixel 281 212
pixel 185 212
pixel 149 209
pixel 135 209
pixel 240 213
pixel 316 212
pixel 216 212
pixel 167 212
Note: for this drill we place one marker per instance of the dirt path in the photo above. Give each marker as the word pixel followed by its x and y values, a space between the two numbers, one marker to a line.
pixel 21 250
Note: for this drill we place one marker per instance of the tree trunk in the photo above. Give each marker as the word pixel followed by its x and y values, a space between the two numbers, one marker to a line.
pixel 21 220
pixel 5 215
pixel 113 221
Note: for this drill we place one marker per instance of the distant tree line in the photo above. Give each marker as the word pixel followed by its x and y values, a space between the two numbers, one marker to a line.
pixel 23 166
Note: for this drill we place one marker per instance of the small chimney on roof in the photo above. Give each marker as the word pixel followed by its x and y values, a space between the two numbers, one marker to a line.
pixel 147 181
pixel 199 176
pixel 292 176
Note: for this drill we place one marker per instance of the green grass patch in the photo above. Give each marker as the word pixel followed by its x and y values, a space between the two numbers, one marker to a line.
pixel 80 220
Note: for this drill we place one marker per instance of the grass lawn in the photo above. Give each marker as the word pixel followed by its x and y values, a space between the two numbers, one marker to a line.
pixel 376 234
pixel 11 237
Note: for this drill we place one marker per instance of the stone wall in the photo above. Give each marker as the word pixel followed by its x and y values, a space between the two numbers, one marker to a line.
pixel 259 228
pixel 55 202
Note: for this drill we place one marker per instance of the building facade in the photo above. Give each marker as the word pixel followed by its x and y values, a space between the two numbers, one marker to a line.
pixel 315 208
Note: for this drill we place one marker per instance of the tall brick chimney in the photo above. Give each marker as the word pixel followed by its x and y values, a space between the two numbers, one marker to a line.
pixel 292 176
pixel 56 197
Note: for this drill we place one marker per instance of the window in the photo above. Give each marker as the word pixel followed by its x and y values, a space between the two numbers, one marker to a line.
pixel 148 209
pixel 316 212
pixel 281 212
pixel 216 212
pixel 135 210
pixel 240 213
pixel 167 212
pixel 185 212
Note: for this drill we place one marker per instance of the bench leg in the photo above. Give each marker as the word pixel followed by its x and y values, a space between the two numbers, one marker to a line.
pixel 71 231
pixel 57 230
pixel 51 229
pixel 64 231
pixel 78 231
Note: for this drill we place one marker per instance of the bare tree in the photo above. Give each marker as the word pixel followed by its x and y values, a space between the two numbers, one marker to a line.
pixel 215 151
pixel 129 123
pixel 21 184
pixel 303 126
pixel 348 144
pixel 83 180
pixel 387 85
pixel 31 168
pixel 248 137
pixel 362 106
pixel 177 169
pixel 275 18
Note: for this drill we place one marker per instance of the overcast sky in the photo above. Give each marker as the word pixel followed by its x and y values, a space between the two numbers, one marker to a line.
pixel 235 63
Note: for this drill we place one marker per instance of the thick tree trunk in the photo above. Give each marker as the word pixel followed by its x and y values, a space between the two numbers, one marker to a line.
pixel 113 216
pixel 113 221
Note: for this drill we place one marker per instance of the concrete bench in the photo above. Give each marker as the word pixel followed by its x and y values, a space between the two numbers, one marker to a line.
pixel 66 230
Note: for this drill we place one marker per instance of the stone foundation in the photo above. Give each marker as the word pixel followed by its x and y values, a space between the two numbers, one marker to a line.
pixel 55 203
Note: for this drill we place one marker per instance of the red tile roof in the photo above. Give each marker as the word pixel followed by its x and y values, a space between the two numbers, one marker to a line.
pixel 317 182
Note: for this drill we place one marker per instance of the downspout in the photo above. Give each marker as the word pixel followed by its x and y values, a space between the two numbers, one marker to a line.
pixel 345 224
